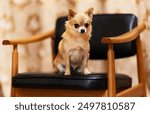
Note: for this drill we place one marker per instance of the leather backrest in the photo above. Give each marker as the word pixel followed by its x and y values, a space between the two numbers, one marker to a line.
pixel 105 25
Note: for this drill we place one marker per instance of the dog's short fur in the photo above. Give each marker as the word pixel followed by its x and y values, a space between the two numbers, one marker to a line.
pixel 73 49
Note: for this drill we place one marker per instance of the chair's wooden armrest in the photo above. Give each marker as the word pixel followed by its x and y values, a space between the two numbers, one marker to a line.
pixel 32 39
pixel 127 37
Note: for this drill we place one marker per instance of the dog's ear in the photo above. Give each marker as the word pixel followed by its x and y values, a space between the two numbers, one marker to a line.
pixel 89 12
pixel 71 14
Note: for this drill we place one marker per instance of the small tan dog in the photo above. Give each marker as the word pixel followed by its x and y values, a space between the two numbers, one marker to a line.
pixel 73 49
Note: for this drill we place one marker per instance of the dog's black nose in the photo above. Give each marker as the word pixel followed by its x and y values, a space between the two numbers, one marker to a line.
pixel 82 31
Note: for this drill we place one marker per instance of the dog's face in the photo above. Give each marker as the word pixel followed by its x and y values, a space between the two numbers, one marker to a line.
pixel 80 23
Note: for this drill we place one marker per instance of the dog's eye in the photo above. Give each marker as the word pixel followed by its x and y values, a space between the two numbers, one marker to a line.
pixel 76 25
pixel 86 25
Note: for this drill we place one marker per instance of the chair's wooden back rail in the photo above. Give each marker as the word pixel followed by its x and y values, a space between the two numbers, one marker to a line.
pixel 111 72
pixel 140 65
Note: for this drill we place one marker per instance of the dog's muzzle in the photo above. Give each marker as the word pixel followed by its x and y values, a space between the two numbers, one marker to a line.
pixel 82 30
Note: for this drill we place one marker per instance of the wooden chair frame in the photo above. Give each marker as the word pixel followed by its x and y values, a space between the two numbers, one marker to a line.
pixel 137 90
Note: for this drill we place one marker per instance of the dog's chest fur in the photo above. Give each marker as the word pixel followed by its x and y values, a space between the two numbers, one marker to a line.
pixel 74 41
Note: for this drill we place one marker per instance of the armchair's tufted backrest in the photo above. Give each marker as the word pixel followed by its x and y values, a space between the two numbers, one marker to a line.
pixel 105 25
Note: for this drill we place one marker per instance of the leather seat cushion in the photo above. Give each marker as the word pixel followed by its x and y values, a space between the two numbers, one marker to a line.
pixel 55 81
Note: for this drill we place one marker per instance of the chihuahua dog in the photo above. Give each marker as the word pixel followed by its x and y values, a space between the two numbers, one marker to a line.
pixel 73 49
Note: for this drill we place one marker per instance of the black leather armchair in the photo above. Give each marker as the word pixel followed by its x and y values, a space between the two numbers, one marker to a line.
pixel 114 36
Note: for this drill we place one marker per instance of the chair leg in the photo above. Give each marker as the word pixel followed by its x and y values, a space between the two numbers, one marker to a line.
pixel 14 66
pixel 12 92
pixel 140 65
pixel 111 72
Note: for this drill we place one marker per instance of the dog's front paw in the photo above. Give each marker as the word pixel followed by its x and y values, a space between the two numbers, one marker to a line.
pixel 67 73
pixel 86 71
